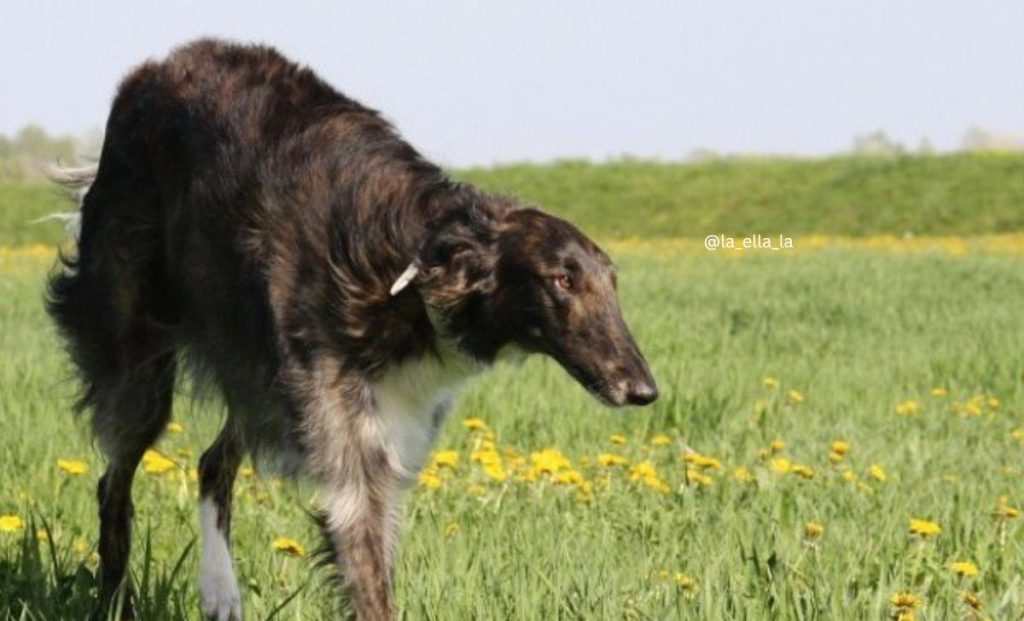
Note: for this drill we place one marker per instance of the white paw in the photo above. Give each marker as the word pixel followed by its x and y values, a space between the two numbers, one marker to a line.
pixel 221 599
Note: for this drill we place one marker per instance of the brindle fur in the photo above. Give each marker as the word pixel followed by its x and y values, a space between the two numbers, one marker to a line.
pixel 251 220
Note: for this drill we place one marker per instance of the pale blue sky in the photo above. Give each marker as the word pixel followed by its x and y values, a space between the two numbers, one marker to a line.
pixel 479 82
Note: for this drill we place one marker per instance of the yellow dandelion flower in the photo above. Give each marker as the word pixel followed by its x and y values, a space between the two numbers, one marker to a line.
pixel 1017 434
pixel 174 427
pixel 687 583
pixel 877 473
pixel 646 473
pixel 802 471
pixel 972 409
pixel 1010 512
pixel 964 569
pixel 549 461
pixel 446 459
pixel 617 438
pixel 781 465
pixel 771 383
pixel 495 471
pixel 485 456
pixel 849 476
pixel 569 477
pixel 924 528
pixel 907 601
pixel 11 524
pixel 777 446
pixel 658 485
pixel 451 530
pixel 661 440
pixel 1003 510
pixel 993 403
pixel 702 461
pixel 813 530
pixel 42 535
pixel 429 479
pixel 73 467
pixel 155 463
pixel 795 397
pixel 289 546
pixel 972 600
pixel 475 424
pixel 834 458
pixel 642 470
pixel 586 492
pixel 611 459
pixel 80 546
pixel 699 478
pixel 908 408
pixel 840 447
pixel 743 475
pixel 939 392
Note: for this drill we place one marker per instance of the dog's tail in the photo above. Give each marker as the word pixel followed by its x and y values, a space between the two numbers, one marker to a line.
pixel 76 182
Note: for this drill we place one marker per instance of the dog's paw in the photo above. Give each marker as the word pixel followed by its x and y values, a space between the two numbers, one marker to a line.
pixel 221 598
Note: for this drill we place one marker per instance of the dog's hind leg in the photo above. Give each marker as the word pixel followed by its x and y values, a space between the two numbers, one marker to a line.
pixel 129 418
pixel 218 466
pixel 109 306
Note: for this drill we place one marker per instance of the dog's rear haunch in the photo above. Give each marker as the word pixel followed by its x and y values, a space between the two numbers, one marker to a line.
pixel 336 288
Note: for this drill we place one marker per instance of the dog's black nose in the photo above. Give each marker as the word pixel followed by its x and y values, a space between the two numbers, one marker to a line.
pixel 641 393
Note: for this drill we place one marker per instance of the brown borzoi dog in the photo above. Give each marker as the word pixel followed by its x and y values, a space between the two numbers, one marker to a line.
pixel 284 243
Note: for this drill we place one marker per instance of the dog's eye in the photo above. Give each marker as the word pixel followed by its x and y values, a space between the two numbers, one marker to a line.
pixel 563 282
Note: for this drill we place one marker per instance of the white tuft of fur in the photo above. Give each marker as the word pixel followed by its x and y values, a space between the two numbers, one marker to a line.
pixel 409 397
pixel 77 182
pixel 222 600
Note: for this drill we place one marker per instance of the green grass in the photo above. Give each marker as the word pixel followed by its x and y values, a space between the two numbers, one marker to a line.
pixel 959 194
pixel 856 332
pixel 924 195
pixel 21 204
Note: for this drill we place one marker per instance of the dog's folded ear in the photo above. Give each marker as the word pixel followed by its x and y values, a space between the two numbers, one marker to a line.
pixel 405 278
pixel 457 258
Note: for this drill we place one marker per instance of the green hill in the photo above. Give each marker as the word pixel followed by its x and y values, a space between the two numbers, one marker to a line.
pixel 960 194
pixel 936 195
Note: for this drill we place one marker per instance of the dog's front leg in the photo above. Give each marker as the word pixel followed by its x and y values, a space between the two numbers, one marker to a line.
pixel 361 520
pixel 348 451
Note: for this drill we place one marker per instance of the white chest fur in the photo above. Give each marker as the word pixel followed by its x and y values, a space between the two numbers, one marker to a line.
pixel 411 400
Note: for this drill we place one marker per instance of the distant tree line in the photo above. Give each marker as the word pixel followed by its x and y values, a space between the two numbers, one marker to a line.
pixel 26 154
pixel 976 139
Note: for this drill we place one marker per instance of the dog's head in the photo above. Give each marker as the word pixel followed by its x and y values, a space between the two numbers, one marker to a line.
pixel 526 279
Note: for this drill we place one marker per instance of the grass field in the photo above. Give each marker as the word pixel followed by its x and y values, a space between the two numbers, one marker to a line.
pixel 814 403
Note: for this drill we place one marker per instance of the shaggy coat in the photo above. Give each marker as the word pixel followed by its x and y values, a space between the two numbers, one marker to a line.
pixel 284 243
